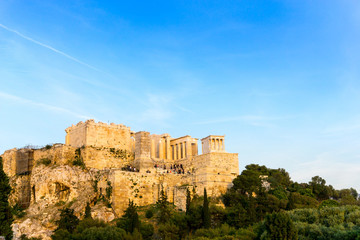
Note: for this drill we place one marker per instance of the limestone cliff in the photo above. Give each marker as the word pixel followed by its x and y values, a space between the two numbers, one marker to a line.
pixel 53 188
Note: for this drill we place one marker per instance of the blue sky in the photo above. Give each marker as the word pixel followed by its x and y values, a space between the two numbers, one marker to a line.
pixel 279 78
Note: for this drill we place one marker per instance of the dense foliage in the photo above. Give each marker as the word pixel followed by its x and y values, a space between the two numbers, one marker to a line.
pixel 6 217
pixel 263 203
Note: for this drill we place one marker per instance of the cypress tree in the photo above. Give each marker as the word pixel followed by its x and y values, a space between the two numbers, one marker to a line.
pixel 6 217
pixel 88 211
pixel 164 209
pixel 131 218
pixel 188 200
pixel 206 212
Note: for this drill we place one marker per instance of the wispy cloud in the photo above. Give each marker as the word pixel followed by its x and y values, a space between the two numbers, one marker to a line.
pixel 50 48
pixel 44 106
pixel 103 84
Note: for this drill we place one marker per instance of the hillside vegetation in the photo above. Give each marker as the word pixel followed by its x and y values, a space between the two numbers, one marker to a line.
pixel 263 203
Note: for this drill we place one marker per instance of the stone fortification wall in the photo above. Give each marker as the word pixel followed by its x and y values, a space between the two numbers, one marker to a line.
pixel 21 190
pixel 144 188
pixel 99 134
pixel 103 157
pixel 9 162
pixel 58 154
pixel 18 161
pixel 215 171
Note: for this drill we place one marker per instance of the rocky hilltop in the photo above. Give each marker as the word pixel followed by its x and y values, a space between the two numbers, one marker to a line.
pixel 105 166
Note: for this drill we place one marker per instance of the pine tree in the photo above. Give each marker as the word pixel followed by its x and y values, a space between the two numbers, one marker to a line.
pixel 6 217
pixel 206 212
pixel 188 200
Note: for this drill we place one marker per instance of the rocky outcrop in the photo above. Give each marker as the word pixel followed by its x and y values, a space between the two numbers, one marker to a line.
pixel 53 188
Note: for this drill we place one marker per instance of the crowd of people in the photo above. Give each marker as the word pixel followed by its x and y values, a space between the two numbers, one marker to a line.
pixel 174 168
pixel 130 168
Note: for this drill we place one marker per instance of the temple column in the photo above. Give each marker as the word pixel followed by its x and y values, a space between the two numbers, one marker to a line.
pixel 183 150
pixel 168 151
pixel 153 151
pixel 161 148
pixel 176 151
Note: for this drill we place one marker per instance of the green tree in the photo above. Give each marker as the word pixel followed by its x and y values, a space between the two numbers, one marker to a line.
pixel 146 230
pixel 194 217
pixel 68 221
pixel 89 223
pixel 291 203
pixel 103 233
pixel 162 204
pixel 279 226
pixel 251 210
pixel 319 188
pixel 169 231
pixel 6 217
pixel 206 212
pixel 61 234
pixel 188 200
pixel 87 211
pixel 328 203
pixel 130 220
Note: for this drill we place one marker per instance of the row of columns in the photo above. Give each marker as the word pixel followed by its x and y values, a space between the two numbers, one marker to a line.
pixel 161 149
pixel 217 144
pixel 179 150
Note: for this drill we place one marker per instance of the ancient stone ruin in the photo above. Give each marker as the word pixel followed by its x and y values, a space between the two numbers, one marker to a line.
pixel 97 157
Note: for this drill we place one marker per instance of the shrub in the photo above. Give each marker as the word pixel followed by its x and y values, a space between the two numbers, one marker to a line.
pixel 108 190
pixel 149 213
pixel 146 230
pixel 48 146
pixel 43 161
pixel 279 226
pixel 329 203
pixel 89 223
pixel 18 211
pixel 78 162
